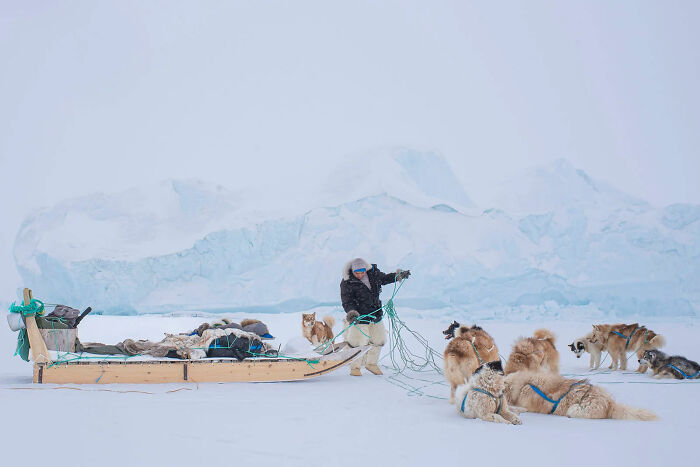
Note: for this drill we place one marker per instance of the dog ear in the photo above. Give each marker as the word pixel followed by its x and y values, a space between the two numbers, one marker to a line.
pixel 573 347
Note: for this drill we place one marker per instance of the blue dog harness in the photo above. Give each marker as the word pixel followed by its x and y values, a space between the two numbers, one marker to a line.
pixel 627 343
pixel 483 391
pixel 548 399
pixel 683 373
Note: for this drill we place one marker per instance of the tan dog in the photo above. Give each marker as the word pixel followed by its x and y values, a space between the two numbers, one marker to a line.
pixel 619 339
pixel 470 348
pixel 482 396
pixel 534 353
pixel 317 332
pixel 547 393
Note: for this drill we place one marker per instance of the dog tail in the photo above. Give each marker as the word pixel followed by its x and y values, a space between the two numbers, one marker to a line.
pixel 656 342
pixel 625 412
pixel 545 335
pixel 329 320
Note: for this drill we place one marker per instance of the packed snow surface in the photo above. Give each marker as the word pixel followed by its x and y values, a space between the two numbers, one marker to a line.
pixel 334 419
pixel 556 238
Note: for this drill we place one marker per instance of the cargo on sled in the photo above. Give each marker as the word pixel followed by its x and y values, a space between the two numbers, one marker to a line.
pixel 67 364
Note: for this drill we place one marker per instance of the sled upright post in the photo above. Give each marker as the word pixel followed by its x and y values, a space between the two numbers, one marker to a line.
pixel 40 354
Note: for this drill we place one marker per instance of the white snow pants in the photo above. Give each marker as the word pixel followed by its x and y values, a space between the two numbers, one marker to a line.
pixel 363 334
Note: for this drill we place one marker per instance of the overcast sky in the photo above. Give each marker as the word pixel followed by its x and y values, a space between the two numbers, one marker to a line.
pixel 108 95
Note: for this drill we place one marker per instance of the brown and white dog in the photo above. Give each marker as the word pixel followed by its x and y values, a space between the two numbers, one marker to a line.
pixel 317 332
pixel 482 396
pixel 534 353
pixel 619 339
pixel 548 393
pixel 588 344
pixel 470 348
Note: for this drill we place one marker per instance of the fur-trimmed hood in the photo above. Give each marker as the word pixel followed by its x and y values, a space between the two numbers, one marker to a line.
pixel 347 269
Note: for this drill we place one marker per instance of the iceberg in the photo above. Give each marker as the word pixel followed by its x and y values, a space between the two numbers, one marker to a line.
pixel 557 239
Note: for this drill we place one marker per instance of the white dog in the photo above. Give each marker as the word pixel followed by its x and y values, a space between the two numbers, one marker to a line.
pixel 482 396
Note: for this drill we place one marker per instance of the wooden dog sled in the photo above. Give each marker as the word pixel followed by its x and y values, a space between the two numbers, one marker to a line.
pixel 177 371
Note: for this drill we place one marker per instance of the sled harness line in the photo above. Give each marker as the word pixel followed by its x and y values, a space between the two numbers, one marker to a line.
pixel 481 361
pixel 685 376
pixel 499 399
pixel 557 401
pixel 627 339
pixel 407 362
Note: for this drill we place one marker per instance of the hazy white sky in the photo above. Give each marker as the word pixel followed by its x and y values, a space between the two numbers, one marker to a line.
pixel 107 95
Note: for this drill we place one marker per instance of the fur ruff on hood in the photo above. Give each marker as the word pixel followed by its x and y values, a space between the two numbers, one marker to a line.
pixel 347 269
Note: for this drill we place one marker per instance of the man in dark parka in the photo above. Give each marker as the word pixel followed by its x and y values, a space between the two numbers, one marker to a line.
pixel 359 293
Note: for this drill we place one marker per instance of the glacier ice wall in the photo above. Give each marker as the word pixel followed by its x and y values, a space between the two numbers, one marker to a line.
pixel 562 240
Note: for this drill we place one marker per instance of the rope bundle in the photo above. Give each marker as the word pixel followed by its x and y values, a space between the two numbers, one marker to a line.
pixel 35 307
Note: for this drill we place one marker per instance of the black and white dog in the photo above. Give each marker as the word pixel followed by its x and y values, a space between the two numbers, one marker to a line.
pixel 590 345
pixel 674 366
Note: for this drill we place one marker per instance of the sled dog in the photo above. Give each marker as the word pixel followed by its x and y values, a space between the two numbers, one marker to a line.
pixel 673 366
pixel 533 353
pixel 317 332
pixel 548 393
pixel 588 344
pixel 482 396
pixel 619 339
pixel 470 348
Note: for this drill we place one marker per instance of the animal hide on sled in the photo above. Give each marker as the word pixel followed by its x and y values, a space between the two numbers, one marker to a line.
pixel 190 347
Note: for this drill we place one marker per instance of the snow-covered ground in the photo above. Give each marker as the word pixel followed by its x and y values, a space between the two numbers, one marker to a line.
pixel 335 419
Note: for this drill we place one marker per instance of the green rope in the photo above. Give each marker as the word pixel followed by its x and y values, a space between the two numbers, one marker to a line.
pixel 22 348
pixel 35 307
pixel 403 359
pixel 401 355
pixel 409 364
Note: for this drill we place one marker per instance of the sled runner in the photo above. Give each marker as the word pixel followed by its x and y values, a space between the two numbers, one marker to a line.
pixel 221 370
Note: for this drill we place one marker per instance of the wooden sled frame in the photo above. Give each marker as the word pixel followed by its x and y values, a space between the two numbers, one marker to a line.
pixel 176 371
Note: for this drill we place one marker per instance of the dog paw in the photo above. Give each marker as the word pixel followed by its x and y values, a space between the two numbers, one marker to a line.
pixel 517 421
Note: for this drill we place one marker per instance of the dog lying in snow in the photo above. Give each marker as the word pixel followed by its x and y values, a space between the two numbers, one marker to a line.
pixel 665 366
pixel 482 396
pixel 534 353
pixel 619 339
pixel 588 344
pixel 469 348
pixel 548 393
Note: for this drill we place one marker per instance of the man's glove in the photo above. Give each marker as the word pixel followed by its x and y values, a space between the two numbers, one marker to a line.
pixel 401 274
pixel 352 316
